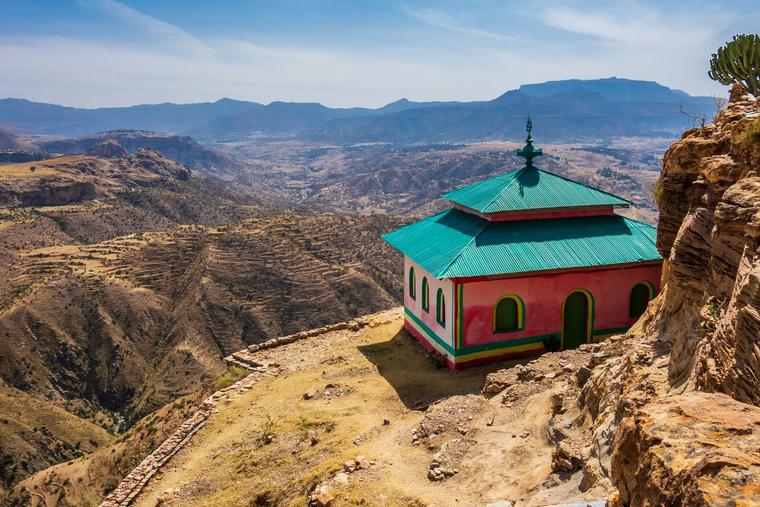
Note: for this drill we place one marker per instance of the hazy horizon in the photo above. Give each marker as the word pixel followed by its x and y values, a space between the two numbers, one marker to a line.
pixel 105 53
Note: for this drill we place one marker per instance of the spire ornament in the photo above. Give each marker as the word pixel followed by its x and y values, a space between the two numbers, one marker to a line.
pixel 529 152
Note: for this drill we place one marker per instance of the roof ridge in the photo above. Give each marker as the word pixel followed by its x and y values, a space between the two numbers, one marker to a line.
pixel 486 223
pixel 500 192
pixel 584 185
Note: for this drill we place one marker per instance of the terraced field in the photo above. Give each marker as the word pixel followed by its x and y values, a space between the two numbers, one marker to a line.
pixel 118 301
pixel 127 325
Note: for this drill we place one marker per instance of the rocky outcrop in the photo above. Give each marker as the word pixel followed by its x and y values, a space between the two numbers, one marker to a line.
pixel 183 149
pixel 64 191
pixel 110 148
pixel 713 265
pixel 73 179
pixel 694 449
pixel 153 162
pixel 644 421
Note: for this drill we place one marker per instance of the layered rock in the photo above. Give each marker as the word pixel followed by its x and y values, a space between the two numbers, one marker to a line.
pixel 644 424
pixel 712 275
pixel 693 449
pixel 701 334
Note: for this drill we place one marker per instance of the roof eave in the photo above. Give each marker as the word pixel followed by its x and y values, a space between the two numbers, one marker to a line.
pixel 524 274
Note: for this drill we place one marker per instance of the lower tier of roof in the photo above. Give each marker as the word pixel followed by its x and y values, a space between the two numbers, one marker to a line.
pixel 456 244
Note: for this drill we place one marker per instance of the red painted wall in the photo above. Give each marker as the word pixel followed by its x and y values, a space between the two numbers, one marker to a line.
pixel 543 297
pixel 510 216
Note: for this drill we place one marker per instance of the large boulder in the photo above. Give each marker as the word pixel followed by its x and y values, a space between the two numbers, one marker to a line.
pixel 694 449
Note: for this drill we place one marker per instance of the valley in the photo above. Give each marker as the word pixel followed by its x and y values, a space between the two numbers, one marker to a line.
pixel 408 180
pixel 120 298
pixel 132 262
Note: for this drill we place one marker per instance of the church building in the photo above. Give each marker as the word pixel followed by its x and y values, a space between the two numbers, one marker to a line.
pixel 525 262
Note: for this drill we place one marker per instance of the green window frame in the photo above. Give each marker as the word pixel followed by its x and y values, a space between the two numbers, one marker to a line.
pixel 425 295
pixel 412 284
pixel 440 308
pixel 509 314
pixel 641 294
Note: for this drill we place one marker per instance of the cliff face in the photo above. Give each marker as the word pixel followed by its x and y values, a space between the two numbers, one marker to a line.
pixel 711 188
pixel 702 333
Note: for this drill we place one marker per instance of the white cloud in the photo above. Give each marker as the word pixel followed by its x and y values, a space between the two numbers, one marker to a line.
pixel 447 21
pixel 166 32
pixel 93 74
pixel 635 25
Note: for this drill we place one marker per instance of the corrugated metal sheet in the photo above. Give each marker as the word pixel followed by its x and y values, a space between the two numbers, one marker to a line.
pixel 530 188
pixel 458 244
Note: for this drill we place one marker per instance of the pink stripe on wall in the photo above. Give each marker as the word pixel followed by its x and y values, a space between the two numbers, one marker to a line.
pixel 544 295
pixel 416 305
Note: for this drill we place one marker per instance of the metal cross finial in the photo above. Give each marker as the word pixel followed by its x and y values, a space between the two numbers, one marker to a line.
pixel 529 152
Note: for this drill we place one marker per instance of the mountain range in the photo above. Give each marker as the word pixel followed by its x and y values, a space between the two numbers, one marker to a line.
pixel 568 110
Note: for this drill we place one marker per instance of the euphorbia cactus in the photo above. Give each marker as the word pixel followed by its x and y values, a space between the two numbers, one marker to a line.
pixel 738 62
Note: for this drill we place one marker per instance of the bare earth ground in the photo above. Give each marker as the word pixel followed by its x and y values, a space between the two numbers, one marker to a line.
pixel 368 392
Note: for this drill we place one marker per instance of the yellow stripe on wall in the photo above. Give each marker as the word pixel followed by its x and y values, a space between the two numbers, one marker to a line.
pixel 499 352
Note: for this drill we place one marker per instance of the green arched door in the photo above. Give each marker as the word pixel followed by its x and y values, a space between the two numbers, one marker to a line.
pixel 576 319
pixel 640 296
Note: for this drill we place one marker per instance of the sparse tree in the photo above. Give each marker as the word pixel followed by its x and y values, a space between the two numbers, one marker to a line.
pixel 720 103
pixel 738 61
pixel 693 117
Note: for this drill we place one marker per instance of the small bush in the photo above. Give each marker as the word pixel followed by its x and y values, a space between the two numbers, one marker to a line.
pixel 750 136
pixel 229 377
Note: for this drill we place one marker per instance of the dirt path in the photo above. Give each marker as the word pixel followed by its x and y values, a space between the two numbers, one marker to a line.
pixel 362 393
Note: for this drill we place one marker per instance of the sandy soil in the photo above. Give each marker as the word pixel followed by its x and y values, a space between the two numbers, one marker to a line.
pixel 369 393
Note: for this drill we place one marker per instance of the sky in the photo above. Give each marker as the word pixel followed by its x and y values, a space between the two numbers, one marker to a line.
pixel 96 53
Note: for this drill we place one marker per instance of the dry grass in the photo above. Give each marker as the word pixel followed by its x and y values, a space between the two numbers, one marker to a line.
pixel 34 433
pixel 38 168
pixel 381 375
pixel 20 409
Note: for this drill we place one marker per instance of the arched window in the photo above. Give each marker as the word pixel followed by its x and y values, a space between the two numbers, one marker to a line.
pixel 440 308
pixel 425 295
pixel 412 284
pixel 509 314
pixel 641 294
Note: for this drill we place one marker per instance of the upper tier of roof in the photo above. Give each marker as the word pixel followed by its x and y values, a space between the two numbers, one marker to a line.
pixel 458 244
pixel 530 188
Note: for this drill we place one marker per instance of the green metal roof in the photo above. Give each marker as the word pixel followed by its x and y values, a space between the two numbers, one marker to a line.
pixel 530 188
pixel 458 244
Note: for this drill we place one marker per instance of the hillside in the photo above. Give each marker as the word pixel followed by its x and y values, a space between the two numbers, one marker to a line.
pixel 149 316
pixel 666 414
pixel 8 141
pixel 368 391
pixel 408 180
pixel 183 149
pixel 159 273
